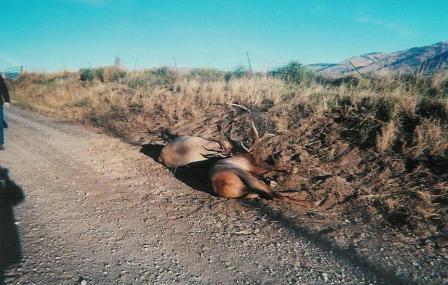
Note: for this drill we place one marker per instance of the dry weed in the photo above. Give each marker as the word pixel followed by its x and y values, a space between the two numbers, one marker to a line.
pixel 431 139
pixel 387 137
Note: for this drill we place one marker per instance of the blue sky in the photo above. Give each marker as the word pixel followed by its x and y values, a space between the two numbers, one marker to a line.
pixel 50 35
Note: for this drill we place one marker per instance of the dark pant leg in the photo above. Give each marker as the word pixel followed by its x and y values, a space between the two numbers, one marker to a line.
pixel 2 138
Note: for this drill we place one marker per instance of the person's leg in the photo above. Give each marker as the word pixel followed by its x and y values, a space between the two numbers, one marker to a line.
pixel 2 139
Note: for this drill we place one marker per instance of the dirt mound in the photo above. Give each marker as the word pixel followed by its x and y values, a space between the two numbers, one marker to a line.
pixel 333 174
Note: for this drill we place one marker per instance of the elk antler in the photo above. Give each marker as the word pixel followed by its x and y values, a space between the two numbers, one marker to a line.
pixel 252 124
pixel 254 149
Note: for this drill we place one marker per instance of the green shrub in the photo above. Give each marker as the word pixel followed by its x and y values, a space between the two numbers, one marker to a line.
pixel 237 72
pixel 87 74
pixel 104 74
pixel 293 72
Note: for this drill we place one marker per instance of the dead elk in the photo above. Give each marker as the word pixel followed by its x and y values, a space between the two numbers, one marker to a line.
pixel 237 176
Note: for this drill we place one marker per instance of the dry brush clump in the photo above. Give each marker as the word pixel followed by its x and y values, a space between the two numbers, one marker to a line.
pixel 388 113
pixel 376 145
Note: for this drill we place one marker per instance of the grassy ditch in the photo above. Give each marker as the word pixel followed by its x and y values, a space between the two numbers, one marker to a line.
pixel 374 149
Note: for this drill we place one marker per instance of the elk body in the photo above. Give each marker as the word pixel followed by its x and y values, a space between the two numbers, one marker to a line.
pixel 236 177
pixel 184 150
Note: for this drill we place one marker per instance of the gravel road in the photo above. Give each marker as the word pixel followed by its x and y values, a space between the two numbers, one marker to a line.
pixel 100 211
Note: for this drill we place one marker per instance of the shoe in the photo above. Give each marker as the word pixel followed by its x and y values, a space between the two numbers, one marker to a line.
pixel 2 147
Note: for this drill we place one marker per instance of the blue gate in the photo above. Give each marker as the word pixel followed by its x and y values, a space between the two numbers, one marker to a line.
pixel 12 72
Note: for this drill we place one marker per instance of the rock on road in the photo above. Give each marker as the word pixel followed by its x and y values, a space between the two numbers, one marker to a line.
pixel 99 211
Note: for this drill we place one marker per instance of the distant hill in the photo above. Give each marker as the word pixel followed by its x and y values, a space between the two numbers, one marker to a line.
pixel 425 59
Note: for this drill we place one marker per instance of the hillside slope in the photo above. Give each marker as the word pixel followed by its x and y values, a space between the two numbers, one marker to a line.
pixel 427 59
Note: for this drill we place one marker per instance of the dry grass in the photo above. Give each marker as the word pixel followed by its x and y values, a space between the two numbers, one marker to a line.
pixel 377 112
pixel 431 138
pixel 386 137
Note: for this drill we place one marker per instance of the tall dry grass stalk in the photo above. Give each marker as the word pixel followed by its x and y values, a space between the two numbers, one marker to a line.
pixel 387 137
pixel 383 104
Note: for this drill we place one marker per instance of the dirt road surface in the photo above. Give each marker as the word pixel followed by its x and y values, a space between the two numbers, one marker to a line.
pixel 100 211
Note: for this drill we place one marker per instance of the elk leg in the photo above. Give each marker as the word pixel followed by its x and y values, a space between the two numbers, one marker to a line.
pixel 255 186
pixel 270 168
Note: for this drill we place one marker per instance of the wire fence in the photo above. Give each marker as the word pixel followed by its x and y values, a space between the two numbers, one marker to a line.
pixel 225 63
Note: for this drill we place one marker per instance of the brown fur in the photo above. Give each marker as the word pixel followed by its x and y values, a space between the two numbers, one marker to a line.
pixel 235 177
pixel 184 150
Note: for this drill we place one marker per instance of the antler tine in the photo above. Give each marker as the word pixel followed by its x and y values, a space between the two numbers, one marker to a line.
pixel 244 147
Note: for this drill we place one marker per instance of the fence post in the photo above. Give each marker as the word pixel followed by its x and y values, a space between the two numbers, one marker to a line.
pixel 175 63
pixel 248 60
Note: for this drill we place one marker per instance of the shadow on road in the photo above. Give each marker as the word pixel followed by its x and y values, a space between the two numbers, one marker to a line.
pixel 194 174
pixel 10 195
pixel 375 272
pixel 152 150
